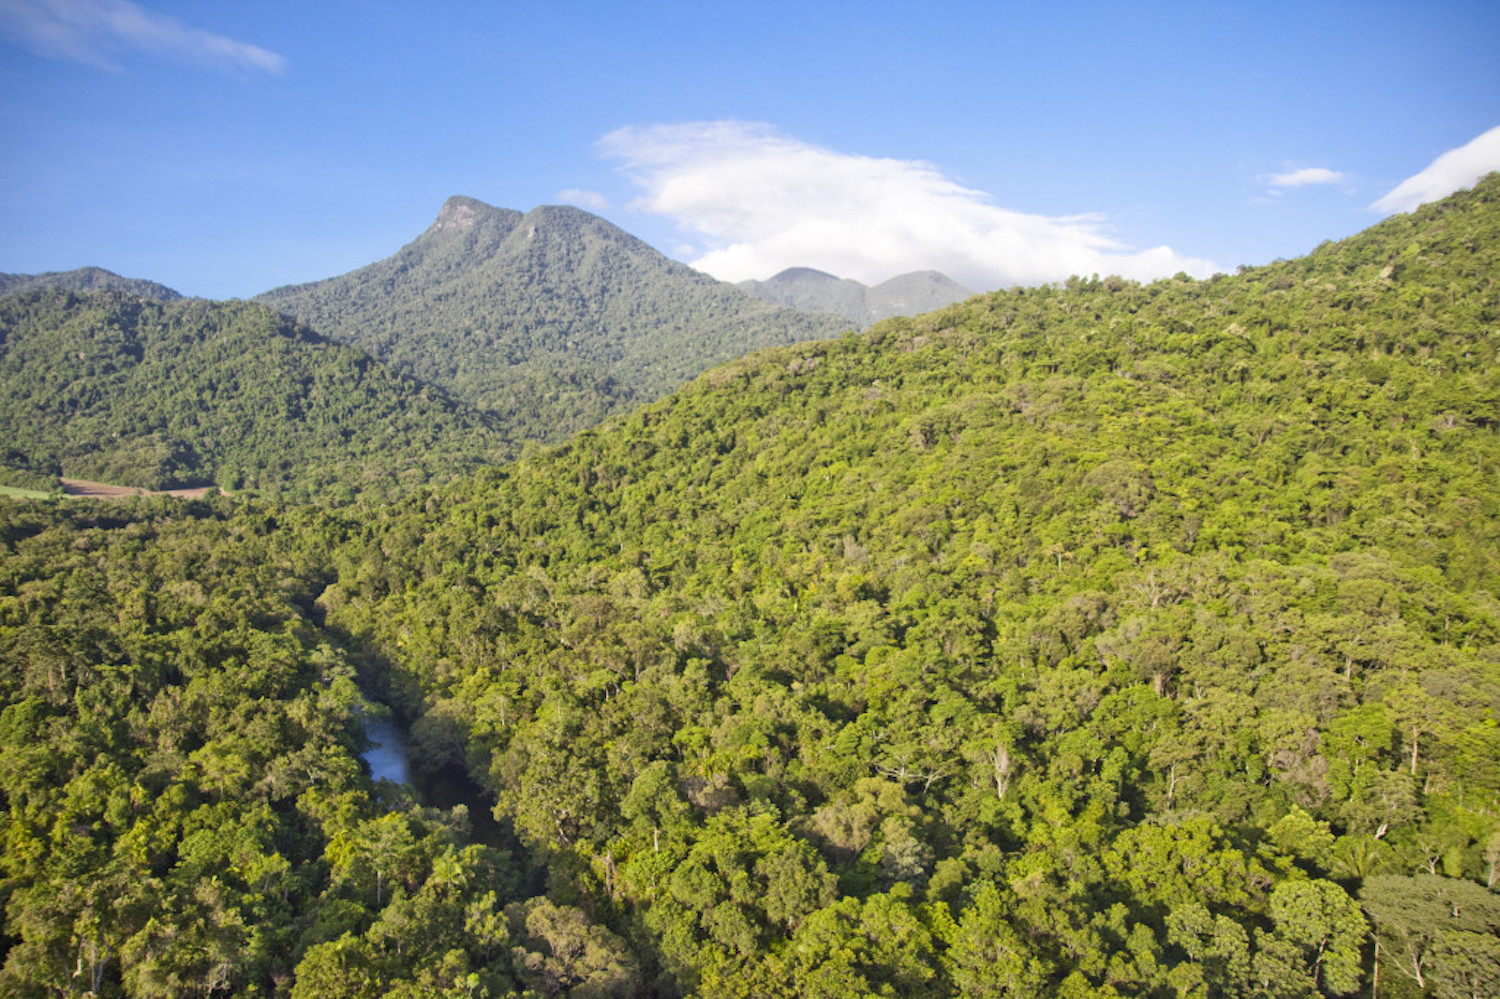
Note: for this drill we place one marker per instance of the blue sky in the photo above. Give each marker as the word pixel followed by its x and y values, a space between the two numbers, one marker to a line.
pixel 227 148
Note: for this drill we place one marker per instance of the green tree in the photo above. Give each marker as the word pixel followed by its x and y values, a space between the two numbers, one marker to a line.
pixel 1316 940
pixel 1414 918
pixel 559 952
pixel 985 955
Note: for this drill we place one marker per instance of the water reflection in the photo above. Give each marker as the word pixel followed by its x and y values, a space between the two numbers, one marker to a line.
pixel 388 759
pixel 387 753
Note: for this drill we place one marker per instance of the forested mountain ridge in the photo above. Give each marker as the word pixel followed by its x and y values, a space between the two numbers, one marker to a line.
pixel 1091 640
pixel 550 320
pixel 114 387
pixel 87 279
pixel 816 291
pixel 1074 640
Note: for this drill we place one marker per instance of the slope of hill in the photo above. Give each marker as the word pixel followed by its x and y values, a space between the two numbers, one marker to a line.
pixel 113 387
pixel 87 279
pixel 1103 617
pixel 815 291
pixel 550 320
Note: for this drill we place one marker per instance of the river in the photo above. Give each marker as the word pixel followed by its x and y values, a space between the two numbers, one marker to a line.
pixel 389 759
pixel 386 756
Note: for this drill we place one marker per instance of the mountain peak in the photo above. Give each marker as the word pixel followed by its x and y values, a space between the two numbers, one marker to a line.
pixel 803 274
pixel 549 320
pixel 459 213
pixel 86 279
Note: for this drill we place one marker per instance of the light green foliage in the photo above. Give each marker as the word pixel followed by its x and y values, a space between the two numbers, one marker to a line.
pixel 185 815
pixel 986 953
pixel 1129 599
pixel 1298 834
pixel 872 947
pixel 1217 946
pixel 1315 944
pixel 747 879
pixel 562 952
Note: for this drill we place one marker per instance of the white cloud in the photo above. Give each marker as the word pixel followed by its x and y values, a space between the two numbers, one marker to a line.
pixel 94 31
pixel 762 202
pixel 1455 169
pixel 1306 176
pixel 591 200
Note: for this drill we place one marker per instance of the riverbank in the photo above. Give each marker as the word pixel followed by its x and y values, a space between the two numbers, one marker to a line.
pixel 389 758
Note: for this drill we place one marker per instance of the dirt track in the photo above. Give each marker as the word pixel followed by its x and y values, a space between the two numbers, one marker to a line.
pixel 99 490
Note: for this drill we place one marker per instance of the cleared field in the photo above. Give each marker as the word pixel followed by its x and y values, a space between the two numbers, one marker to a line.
pixel 100 490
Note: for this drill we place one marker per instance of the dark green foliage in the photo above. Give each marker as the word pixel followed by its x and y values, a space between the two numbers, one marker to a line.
pixel 184 813
pixel 114 388
pixel 550 321
pixel 1438 932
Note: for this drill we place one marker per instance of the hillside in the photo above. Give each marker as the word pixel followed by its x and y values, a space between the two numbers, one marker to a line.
pixel 550 320
pixel 113 387
pixel 1105 616
pixel 1092 640
pixel 87 279
pixel 815 291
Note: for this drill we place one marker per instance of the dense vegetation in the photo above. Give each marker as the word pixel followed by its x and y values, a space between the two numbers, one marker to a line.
pixel 1091 640
pixel 550 321
pixel 184 812
pixel 87 279
pixel 815 291
pixel 1071 639
pixel 116 388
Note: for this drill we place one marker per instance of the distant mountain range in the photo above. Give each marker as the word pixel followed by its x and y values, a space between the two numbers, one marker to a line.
pixel 550 320
pixel 817 291
pixel 87 279
pixel 491 328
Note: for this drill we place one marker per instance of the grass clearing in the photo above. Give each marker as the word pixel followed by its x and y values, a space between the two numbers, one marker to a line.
pixel 16 492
